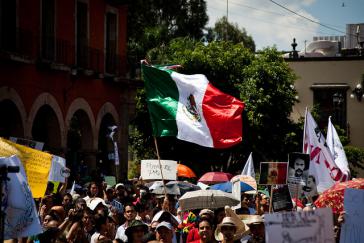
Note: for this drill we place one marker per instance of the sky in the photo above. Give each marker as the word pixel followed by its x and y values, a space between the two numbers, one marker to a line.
pixel 271 25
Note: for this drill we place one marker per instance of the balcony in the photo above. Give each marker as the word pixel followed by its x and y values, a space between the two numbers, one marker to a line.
pixel 17 45
pixel 55 52
pixel 89 59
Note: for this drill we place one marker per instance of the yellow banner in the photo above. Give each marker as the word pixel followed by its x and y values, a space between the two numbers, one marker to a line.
pixel 36 164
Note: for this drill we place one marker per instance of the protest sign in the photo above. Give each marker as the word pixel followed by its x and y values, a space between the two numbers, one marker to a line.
pixel 150 170
pixel 303 226
pixel 36 164
pixel 298 167
pixel 273 173
pixel 281 199
pixel 21 219
pixel 110 180
pixel 353 228
pixel 29 143
pixel 58 171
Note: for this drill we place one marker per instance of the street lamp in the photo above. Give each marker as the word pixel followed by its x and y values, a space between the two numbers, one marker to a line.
pixel 357 92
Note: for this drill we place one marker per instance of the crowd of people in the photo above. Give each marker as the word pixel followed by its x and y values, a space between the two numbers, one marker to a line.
pixel 129 212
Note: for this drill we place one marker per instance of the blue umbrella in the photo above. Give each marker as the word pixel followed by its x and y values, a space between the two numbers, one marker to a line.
pixel 227 186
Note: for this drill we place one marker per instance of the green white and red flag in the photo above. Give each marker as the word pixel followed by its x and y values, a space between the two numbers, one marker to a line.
pixel 191 109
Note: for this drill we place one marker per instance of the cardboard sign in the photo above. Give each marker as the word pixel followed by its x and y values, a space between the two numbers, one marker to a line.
pixel 303 226
pixel 37 164
pixel 21 218
pixel 273 173
pixel 281 199
pixel 353 228
pixel 150 170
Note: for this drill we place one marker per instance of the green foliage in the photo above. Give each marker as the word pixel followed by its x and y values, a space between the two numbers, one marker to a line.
pixel 262 81
pixel 153 23
pixel 355 158
pixel 223 30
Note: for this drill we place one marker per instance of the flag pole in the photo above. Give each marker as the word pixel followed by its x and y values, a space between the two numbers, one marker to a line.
pixel 271 199
pixel 304 131
pixel 160 167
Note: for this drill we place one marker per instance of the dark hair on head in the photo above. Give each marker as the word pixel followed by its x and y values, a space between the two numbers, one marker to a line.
pixel 202 219
pixel 313 178
pixel 68 195
pixel 99 220
pixel 130 204
pixel 92 183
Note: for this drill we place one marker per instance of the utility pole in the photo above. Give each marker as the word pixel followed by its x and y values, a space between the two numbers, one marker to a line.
pixel 227 19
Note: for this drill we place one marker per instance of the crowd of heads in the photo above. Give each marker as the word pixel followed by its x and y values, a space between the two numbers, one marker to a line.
pixel 130 212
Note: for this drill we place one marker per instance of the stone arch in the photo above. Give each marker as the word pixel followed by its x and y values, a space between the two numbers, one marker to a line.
pixel 7 93
pixel 105 109
pixel 50 100
pixel 81 104
pixel 107 117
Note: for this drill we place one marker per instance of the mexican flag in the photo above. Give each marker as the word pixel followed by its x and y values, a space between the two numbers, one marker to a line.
pixel 191 109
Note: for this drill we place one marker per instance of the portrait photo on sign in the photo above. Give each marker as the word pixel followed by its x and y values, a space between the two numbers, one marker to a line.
pixel 273 173
pixel 298 166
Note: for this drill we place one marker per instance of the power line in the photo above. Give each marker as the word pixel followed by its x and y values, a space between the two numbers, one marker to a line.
pixel 311 20
pixel 296 27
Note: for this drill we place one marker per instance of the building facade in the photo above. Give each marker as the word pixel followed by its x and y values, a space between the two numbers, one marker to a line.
pixel 63 82
pixel 334 85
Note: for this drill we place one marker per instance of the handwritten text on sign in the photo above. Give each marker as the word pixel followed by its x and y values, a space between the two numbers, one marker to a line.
pixel 150 170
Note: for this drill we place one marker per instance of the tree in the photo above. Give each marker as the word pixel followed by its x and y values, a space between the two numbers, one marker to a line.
pixel 263 82
pixel 223 30
pixel 155 22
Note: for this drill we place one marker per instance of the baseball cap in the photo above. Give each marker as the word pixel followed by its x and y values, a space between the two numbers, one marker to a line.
pixel 119 184
pixel 164 224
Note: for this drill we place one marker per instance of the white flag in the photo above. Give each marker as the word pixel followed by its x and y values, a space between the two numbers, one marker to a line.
pixel 322 164
pixel 249 167
pixel 21 219
pixel 336 149
pixel 73 188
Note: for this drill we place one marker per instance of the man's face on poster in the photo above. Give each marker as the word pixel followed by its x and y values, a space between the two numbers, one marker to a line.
pixel 310 184
pixel 299 166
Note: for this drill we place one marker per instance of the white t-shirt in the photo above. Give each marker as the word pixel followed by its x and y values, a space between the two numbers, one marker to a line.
pixel 95 237
pixel 120 233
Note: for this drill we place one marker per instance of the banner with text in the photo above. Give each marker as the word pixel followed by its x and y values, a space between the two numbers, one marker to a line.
pixel 37 164
pixel 150 169
pixel 302 226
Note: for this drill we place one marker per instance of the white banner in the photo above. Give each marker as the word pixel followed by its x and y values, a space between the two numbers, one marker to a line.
pixel 21 218
pixel 302 226
pixel 58 171
pixel 353 227
pixel 150 170
pixel 249 167
pixel 322 164
pixel 336 149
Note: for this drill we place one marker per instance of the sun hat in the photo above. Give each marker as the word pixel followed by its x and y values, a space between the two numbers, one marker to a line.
pixel 254 219
pixel 206 211
pixel 164 224
pixel 119 184
pixel 135 224
pixel 232 219
pixel 95 202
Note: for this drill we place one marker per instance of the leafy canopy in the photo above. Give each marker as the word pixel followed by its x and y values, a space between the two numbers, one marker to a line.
pixel 264 82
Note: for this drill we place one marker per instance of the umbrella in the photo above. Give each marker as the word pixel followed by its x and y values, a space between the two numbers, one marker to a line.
pixel 158 188
pixel 210 199
pixel 334 196
pixel 246 179
pixel 184 186
pixel 227 187
pixel 215 177
pixel 184 171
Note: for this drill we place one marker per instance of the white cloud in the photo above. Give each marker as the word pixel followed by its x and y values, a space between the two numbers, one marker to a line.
pixel 267 23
